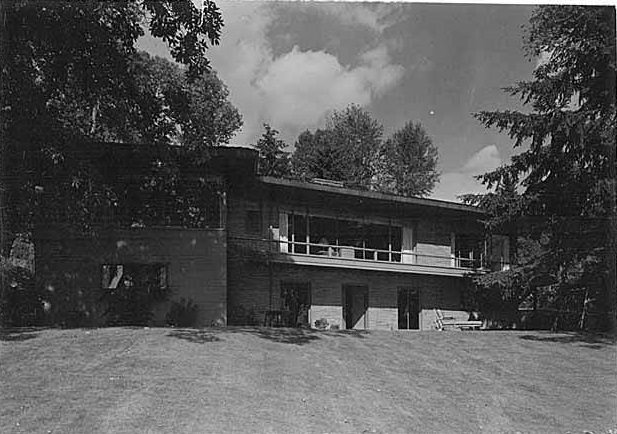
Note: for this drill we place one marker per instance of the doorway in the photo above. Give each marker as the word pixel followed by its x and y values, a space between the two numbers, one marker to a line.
pixel 296 303
pixel 408 309
pixel 355 307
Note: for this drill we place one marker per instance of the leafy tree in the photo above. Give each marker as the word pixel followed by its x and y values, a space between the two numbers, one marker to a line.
pixel 273 160
pixel 351 149
pixel 408 161
pixel 566 175
pixel 358 137
pixel 345 151
pixel 68 77
pixel 316 156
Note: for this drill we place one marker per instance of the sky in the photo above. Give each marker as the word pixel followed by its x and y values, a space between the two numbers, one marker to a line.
pixel 291 63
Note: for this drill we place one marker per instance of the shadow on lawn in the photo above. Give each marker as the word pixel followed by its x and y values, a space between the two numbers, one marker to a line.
pixel 18 334
pixel 589 340
pixel 299 336
pixel 296 336
pixel 194 336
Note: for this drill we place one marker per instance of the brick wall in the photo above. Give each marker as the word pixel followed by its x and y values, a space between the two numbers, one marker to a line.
pixel 433 239
pixel 255 286
pixel 70 267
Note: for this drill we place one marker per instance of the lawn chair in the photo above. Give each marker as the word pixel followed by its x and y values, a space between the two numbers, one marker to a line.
pixel 443 322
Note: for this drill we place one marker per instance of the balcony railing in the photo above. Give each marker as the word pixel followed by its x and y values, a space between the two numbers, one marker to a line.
pixel 367 255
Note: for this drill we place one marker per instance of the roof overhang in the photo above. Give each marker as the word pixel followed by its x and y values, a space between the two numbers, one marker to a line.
pixel 452 207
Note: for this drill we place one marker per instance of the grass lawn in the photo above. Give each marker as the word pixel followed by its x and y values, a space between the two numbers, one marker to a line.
pixel 257 380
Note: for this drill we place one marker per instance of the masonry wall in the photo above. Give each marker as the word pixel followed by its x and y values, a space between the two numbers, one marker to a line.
pixel 255 286
pixel 69 267
pixel 433 239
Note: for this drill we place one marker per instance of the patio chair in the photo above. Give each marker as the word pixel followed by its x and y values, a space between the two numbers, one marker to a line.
pixel 443 322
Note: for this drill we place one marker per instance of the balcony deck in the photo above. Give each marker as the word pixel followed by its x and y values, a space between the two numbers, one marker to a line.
pixel 322 255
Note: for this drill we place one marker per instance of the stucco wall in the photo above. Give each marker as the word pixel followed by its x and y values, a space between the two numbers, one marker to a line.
pixel 70 268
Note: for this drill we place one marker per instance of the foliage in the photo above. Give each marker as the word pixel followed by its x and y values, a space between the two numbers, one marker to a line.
pixel 20 302
pixel 71 75
pixel 351 149
pixel 133 305
pixel 497 297
pixel 322 324
pixel 240 315
pixel 345 151
pixel 561 187
pixel 182 313
pixel 408 161
pixel 273 160
pixel 316 156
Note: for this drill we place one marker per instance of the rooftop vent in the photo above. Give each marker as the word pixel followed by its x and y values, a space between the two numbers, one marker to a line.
pixel 328 182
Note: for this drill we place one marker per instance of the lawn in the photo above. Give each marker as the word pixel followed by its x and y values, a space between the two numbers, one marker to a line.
pixel 258 380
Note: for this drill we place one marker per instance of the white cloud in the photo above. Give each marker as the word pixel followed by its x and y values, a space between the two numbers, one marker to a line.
pixel 455 183
pixel 485 159
pixel 375 16
pixel 295 90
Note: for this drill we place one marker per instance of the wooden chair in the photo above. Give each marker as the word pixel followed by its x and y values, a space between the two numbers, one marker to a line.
pixel 442 322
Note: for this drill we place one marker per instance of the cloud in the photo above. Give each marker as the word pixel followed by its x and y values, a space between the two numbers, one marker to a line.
pixel 458 182
pixel 294 90
pixel 485 159
pixel 375 16
pixel 299 87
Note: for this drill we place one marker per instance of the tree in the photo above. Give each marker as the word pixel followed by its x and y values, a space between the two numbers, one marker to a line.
pixel 345 151
pixel 68 77
pixel 316 156
pixel 407 164
pixel 567 174
pixel 273 160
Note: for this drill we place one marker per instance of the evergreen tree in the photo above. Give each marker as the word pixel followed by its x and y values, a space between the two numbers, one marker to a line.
pixel 567 172
pixel 273 160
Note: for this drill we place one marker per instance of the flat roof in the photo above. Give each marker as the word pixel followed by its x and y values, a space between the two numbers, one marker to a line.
pixel 434 203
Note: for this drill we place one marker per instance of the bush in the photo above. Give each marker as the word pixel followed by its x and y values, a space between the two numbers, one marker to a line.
pixel 239 315
pixel 322 324
pixel 21 304
pixel 132 306
pixel 182 313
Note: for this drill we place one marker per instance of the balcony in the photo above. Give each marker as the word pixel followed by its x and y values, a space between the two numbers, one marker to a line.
pixel 354 257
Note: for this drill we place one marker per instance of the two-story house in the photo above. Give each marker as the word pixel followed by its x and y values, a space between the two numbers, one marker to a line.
pixel 301 252
pixel 294 253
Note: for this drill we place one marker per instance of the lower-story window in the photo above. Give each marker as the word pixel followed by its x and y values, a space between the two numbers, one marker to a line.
pixel 150 277
pixel 132 290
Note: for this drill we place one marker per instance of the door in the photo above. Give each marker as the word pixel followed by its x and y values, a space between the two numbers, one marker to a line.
pixel 355 307
pixel 408 309
pixel 296 303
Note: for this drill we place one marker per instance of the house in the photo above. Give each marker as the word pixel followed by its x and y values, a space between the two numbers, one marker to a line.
pixel 284 252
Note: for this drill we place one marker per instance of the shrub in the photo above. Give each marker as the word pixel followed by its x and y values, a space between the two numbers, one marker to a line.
pixel 182 313
pixel 20 303
pixel 322 324
pixel 132 306
pixel 239 315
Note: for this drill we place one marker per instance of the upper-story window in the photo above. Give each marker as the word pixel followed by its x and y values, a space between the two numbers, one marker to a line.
pixel 343 238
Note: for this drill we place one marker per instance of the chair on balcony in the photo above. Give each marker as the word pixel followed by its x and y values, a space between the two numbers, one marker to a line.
pixel 444 322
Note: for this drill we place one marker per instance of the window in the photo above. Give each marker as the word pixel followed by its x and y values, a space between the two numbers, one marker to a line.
pixel 150 277
pixel 352 239
pixel 253 222
pixel 468 250
pixel 131 291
